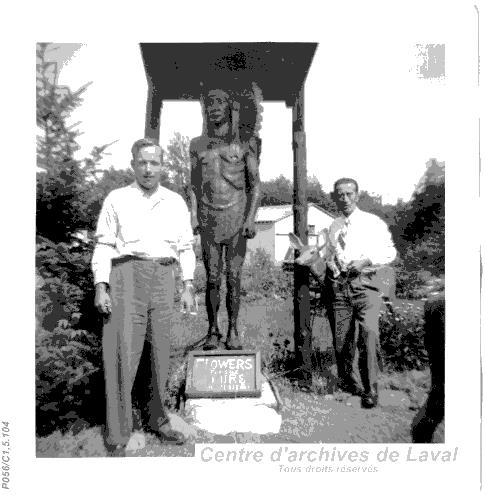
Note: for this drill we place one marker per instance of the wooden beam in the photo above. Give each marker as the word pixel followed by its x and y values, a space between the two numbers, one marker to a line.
pixel 153 111
pixel 301 299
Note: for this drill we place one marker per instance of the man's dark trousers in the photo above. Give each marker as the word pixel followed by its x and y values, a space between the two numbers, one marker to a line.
pixel 353 312
pixel 142 295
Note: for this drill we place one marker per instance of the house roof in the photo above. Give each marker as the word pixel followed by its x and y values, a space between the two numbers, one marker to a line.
pixel 274 213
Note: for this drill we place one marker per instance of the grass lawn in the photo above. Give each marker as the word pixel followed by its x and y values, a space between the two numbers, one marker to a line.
pixel 319 416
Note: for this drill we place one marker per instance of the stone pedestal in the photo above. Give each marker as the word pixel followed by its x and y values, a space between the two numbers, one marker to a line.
pixel 258 415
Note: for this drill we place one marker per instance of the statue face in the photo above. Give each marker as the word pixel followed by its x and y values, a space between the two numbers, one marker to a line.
pixel 147 166
pixel 346 197
pixel 217 106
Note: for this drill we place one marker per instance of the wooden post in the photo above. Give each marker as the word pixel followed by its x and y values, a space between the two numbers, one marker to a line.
pixel 153 111
pixel 301 299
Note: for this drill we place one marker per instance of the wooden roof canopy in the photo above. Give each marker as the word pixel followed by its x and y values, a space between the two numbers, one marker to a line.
pixel 179 70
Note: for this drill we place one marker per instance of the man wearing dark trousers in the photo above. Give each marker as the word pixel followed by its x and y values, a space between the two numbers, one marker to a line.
pixel 143 230
pixel 362 242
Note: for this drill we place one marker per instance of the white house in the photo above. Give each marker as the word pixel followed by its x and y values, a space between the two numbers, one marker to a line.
pixel 273 223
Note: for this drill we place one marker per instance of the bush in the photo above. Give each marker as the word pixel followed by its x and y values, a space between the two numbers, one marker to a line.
pixel 262 278
pixel 402 337
pixel 68 351
pixel 408 280
pixel 413 282
pixel 67 375
pixel 65 285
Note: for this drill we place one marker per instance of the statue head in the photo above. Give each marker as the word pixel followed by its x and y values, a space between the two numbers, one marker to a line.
pixel 235 103
pixel 217 105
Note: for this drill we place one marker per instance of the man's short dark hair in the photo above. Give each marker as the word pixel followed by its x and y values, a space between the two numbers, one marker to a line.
pixel 143 143
pixel 346 180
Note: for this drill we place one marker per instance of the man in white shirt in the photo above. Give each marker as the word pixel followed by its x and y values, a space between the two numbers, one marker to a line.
pixel 362 243
pixel 143 230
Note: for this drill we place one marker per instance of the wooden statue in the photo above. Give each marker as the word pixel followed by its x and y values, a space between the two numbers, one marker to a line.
pixel 225 196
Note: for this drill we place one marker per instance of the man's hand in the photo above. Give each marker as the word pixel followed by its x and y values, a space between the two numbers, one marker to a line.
pixel 188 299
pixel 249 230
pixel 355 267
pixel 102 300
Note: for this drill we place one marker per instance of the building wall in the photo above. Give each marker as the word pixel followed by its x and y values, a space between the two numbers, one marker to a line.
pixel 264 238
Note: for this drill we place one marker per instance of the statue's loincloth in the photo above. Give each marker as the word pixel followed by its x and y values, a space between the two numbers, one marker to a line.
pixel 222 223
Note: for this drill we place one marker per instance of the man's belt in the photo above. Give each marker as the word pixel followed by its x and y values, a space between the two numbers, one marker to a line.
pixel 163 261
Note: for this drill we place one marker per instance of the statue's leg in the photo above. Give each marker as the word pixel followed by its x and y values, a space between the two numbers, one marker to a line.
pixel 212 257
pixel 235 253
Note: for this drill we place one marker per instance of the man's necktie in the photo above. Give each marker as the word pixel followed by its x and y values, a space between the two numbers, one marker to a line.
pixel 341 247
pixel 342 235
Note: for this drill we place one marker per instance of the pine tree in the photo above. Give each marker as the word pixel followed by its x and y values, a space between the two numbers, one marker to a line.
pixel 63 183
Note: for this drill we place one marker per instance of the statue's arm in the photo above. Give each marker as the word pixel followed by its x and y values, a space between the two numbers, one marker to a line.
pixel 253 188
pixel 195 184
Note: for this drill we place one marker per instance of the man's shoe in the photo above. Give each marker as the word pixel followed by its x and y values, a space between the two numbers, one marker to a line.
pixel 369 400
pixel 212 343
pixel 233 343
pixel 168 436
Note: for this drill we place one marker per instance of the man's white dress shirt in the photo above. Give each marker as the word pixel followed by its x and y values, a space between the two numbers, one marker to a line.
pixel 366 236
pixel 132 222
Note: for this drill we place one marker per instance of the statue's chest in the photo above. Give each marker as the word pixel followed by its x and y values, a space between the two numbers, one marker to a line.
pixel 223 161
